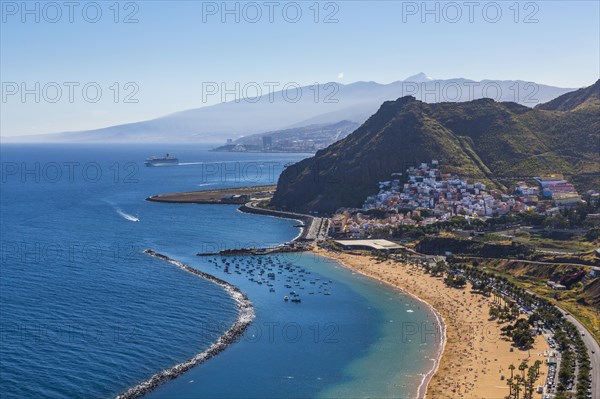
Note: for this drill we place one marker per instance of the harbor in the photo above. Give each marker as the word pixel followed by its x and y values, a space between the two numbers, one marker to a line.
pixel 253 200
pixel 277 274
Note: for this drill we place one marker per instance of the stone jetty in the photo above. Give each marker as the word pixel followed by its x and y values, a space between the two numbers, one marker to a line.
pixel 245 317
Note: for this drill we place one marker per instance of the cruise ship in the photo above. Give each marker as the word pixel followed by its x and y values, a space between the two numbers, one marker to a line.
pixel 167 160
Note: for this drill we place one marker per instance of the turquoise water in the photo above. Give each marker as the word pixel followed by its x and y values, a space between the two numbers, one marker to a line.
pixel 84 313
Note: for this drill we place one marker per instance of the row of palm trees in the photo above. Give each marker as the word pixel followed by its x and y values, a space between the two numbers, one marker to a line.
pixel 566 334
pixel 508 312
pixel 521 383
pixel 504 292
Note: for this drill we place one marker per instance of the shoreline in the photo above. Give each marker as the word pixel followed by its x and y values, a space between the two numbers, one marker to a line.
pixel 421 393
pixel 246 315
pixel 436 364
pixel 470 360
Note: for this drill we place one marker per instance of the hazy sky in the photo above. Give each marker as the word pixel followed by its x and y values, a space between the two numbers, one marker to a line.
pixel 160 53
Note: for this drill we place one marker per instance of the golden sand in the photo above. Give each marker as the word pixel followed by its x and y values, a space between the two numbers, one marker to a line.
pixel 475 355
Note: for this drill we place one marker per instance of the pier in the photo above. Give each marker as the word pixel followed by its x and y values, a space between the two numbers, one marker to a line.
pixel 226 196
pixel 284 248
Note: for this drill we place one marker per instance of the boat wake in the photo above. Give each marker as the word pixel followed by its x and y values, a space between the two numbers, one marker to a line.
pixel 245 316
pixel 127 216
pixel 205 163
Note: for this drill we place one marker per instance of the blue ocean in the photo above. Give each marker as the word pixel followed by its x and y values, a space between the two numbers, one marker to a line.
pixel 85 313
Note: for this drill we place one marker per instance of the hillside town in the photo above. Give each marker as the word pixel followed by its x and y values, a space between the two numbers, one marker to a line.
pixel 425 195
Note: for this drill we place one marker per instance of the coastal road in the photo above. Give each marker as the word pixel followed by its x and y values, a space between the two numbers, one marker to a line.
pixel 592 346
pixel 532 262
pixel 317 230
pixel 314 228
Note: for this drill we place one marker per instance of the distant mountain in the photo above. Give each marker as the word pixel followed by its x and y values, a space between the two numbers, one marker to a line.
pixel 310 105
pixel 499 143
pixel 420 77
pixel 582 98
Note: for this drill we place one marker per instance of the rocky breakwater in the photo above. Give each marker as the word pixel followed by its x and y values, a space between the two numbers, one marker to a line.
pixel 245 317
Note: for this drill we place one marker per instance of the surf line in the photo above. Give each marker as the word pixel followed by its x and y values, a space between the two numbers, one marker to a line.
pixel 245 317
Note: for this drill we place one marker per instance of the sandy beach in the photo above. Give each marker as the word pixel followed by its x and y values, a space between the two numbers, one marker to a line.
pixel 475 356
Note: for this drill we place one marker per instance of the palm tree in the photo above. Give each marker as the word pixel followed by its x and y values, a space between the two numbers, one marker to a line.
pixel 537 365
pixel 517 389
pixel 532 374
pixel 522 367
pixel 530 389
pixel 511 368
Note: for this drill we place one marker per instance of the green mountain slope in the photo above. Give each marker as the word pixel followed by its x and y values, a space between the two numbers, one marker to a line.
pixel 499 143
pixel 578 99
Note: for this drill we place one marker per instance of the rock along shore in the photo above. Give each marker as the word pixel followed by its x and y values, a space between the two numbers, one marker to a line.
pixel 245 318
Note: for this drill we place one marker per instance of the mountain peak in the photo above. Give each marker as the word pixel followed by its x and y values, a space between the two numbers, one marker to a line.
pixel 420 77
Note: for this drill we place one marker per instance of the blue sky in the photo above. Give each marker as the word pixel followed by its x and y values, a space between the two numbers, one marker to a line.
pixel 176 46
